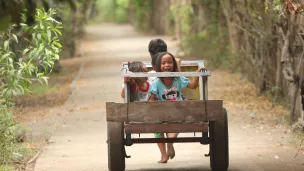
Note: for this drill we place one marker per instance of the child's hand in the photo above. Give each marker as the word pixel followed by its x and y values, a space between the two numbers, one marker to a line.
pixel 126 79
pixel 201 69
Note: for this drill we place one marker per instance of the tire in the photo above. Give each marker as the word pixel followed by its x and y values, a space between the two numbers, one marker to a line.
pixel 219 145
pixel 116 153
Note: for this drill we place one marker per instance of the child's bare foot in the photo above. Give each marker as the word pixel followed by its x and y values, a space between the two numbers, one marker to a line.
pixel 171 151
pixel 164 159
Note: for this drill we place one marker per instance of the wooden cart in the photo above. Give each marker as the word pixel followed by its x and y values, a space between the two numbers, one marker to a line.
pixel 205 116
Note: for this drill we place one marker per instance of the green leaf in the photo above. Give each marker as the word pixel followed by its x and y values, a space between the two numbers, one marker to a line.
pixel 23 24
pixel 58 31
pixel 10 60
pixel 6 44
pixel 15 37
pixel 57 44
pixel 20 88
pixel 25 51
pixel 45 79
pixel 39 36
pixel 49 34
pixel 41 25
pixel 5 55
pixel 57 57
pixel 58 26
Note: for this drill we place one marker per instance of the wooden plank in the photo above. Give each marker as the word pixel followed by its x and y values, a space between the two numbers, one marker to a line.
pixel 165 111
pixel 166 74
pixel 163 128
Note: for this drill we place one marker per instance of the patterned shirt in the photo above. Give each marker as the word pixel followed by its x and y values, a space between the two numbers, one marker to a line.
pixel 173 92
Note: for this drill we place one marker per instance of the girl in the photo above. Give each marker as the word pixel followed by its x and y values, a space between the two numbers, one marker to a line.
pixel 158 46
pixel 139 87
pixel 169 88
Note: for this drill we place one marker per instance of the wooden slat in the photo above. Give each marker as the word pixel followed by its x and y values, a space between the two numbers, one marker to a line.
pixel 165 111
pixel 166 74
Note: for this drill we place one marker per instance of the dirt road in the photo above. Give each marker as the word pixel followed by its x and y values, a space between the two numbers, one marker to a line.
pixel 79 141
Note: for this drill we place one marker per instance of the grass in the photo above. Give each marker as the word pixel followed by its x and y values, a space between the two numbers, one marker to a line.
pixel 20 154
pixel 6 168
pixel 297 138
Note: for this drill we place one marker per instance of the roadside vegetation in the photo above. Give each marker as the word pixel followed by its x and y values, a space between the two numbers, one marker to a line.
pixel 21 66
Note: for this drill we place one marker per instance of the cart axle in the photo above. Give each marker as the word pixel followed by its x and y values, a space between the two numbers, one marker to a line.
pixel 201 140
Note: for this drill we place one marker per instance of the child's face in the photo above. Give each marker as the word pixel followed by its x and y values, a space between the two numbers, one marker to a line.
pixel 167 64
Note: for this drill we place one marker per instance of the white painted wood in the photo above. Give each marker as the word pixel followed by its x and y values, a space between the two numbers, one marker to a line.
pixel 183 63
pixel 166 74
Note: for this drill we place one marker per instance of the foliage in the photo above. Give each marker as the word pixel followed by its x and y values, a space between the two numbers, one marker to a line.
pixel 207 45
pixel 10 12
pixel 185 13
pixel 6 168
pixel 204 41
pixel 142 12
pixel 114 10
pixel 20 67
pixel 121 11
pixel 17 70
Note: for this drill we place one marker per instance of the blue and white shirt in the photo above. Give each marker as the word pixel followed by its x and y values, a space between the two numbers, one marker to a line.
pixel 173 92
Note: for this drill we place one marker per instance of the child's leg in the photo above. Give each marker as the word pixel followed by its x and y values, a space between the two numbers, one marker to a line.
pixel 162 148
pixel 164 155
pixel 171 151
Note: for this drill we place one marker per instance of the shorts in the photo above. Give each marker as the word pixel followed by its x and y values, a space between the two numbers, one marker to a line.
pixel 158 135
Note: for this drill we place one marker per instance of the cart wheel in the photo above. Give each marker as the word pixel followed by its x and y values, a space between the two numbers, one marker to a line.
pixel 116 153
pixel 219 148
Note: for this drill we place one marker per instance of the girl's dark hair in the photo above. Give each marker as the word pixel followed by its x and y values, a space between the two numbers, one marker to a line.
pixel 135 66
pixel 154 58
pixel 158 61
pixel 157 45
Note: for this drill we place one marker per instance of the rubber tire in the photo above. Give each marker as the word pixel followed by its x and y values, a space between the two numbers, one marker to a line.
pixel 116 153
pixel 219 145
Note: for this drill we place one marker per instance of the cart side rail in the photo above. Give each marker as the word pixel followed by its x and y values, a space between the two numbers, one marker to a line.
pixel 166 74
pixel 165 111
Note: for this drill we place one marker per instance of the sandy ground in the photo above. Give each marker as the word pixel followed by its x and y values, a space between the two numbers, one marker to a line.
pixel 78 128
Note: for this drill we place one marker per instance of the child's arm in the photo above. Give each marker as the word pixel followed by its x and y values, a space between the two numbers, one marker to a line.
pixel 194 83
pixel 126 80
pixel 122 94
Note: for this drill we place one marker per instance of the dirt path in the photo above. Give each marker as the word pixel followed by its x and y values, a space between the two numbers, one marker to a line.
pixel 78 142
